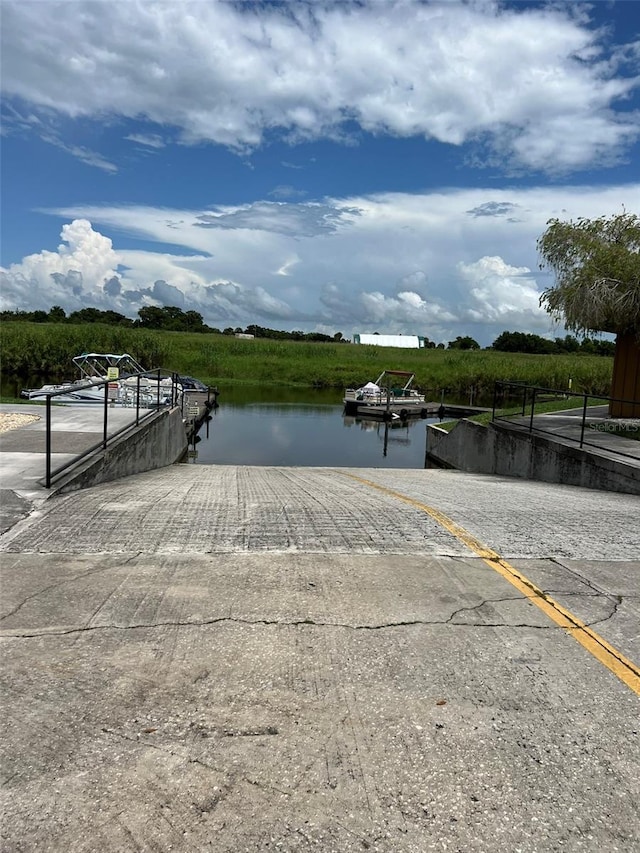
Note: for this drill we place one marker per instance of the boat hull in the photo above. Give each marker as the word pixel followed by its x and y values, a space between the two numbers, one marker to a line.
pixel 126 392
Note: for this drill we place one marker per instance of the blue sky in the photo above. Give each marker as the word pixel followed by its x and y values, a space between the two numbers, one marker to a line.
pixel 354 167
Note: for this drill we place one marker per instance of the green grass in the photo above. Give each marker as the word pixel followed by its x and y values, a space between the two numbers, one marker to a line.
pixel 45 351
pixel 20 400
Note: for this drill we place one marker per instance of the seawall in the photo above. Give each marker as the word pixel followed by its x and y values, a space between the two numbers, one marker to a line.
pixel 159 441
pixel 509 452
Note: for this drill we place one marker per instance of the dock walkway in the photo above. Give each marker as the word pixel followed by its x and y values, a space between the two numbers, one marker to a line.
pixel 599 436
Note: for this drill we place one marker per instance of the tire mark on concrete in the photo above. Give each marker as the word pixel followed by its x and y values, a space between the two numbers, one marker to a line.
pixel 61 583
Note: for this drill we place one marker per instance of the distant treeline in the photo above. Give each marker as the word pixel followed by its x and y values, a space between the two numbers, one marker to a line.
pixel 173 319
pixel 534 344
pixel 166 319
pixel 522 342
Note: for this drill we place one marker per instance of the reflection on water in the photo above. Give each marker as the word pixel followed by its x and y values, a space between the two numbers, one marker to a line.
pixel 310 433
pixel 393 432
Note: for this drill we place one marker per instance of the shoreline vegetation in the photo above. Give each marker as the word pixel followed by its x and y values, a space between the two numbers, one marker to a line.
pixel 44 351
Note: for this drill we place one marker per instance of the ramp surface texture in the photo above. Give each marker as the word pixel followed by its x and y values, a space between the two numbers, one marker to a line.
pixel 250 659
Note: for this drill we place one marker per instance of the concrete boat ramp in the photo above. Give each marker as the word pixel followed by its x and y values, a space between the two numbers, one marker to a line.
pixel 237 659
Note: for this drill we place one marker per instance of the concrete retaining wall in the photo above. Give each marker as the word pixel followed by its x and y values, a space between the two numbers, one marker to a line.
pixel 509 452
pixel 159 441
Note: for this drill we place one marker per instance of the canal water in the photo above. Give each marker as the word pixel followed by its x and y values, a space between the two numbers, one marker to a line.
pixel 272 426
pixel 269 425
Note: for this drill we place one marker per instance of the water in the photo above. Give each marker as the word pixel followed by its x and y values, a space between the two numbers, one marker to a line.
pixel 268 425
pixel 306 428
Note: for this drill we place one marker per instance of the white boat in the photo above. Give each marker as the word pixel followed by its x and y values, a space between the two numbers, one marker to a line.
pixel 392 390
pixel 125 384
pixel 75 392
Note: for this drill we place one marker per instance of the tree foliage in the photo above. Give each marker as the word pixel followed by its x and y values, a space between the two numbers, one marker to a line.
pixel 57 314
pixel 529 343
pixel 95 315
pixel 170 318
pixel 464 342
pixel 596 263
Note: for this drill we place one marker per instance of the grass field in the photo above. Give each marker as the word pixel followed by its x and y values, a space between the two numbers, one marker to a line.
pixel 45 351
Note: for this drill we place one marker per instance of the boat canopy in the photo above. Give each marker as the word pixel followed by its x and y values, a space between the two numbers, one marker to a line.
pixel 96 364
pixel 405 375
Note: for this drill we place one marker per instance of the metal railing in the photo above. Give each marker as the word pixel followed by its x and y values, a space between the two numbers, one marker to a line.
pixel 140 400
pixel 522 399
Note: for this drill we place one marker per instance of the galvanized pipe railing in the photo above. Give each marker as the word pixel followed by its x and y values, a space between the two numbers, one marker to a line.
pixel 536 391
pixel 156 373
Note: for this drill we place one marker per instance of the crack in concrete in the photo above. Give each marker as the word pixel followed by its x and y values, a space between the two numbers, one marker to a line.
pixel 616 604
pixel 57 585
pixel 578 575
pixel 615 601
pixel 404 623
pixel 544 595
pixel 479 606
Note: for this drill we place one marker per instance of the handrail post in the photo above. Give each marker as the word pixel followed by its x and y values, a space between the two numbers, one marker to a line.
pixel 158 396
pixel 533 406
pixel 106 415
pixel 48 444
pixel 524 400
pixel 584 417
pixel 138 400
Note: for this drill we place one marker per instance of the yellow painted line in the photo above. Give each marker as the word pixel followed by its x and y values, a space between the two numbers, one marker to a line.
pixel 596 645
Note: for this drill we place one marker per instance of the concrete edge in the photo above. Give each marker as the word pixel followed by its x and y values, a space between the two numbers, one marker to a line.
pixel 505 451
pixel 159 441
pixel 13 509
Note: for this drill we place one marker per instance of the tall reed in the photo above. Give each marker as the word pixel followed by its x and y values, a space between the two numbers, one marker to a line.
pixel 46 350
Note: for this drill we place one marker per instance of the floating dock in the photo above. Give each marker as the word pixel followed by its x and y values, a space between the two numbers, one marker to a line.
pixel 424 411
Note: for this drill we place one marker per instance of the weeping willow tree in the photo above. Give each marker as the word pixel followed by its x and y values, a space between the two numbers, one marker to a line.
pixel 596 263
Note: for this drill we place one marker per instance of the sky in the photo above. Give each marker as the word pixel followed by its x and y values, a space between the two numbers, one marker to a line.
pixel 380 165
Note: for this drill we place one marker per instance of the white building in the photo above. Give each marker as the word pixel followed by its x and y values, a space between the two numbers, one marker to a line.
pixel 404 341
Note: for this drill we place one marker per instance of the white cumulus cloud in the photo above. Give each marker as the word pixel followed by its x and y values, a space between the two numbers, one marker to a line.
pixel 396 312
pixel 539 84
pixel 501 293
pixel 439 264
pixel 73 276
